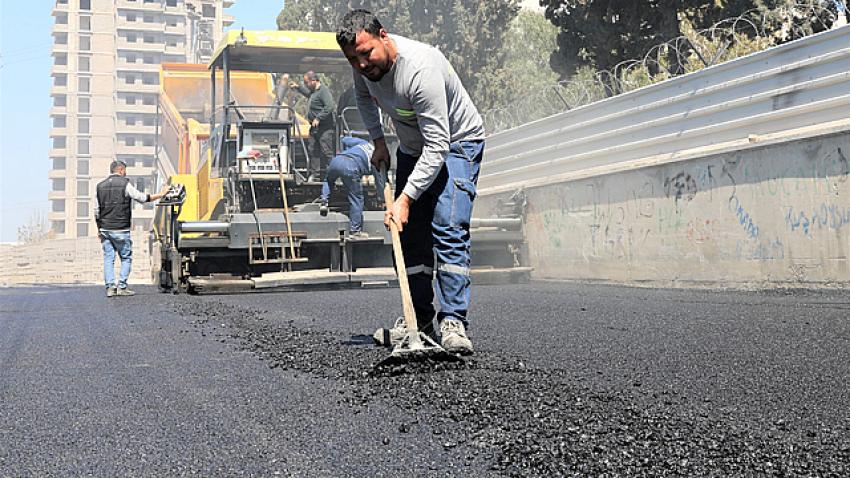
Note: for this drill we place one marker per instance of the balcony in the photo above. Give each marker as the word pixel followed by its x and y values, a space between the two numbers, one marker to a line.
pixel 140 26
pixel 140 67
pixel 135 150
pixel 58 90
pixel 136 108
pixel 58 131
pixel 138 128
pixel 139 171
pixel 57 151
pixel 60 7
pixel 58 110
pixel 60 28
pixel 123 44
pixel 57 195
pixel 56 173
pixel 58 69
pixel 227 20
pixel 229 3
pixel 140 5
pixel 136 88
pixel 175 30
pixel 175 50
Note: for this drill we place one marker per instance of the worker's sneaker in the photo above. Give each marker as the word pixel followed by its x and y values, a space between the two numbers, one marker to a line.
pixel 454 337
pixel 110 292
pixel 124 291
pixel 314 178
pixel 392 336
pixel 323 209
pixel 358 235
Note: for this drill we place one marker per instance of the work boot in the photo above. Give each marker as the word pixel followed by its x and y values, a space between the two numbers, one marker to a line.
pixel 124 291
pixel 392 336
pixel 323 209
pixel 454 337
pixel 110 292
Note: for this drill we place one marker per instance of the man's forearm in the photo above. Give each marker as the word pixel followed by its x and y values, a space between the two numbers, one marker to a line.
pixel 304 91
pixel 159 195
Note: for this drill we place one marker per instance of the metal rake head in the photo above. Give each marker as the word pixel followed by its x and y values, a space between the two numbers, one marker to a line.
pixel 417 347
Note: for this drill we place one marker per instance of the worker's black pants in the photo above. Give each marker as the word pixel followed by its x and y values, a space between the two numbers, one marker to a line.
pixel 321 148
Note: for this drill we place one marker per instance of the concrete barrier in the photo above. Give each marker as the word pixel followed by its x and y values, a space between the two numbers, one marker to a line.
pixel 777 215
pixel 67 261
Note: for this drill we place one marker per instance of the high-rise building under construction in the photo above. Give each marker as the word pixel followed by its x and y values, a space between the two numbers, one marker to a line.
pixel 106 57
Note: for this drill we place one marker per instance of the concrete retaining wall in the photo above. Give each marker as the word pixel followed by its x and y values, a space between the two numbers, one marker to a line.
pixel 773 215
pixel 67 261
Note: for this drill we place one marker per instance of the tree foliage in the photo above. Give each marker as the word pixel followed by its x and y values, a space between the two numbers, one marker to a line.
pixel 604 33
pixel 471 33
pixel 530 42
pixel 788 20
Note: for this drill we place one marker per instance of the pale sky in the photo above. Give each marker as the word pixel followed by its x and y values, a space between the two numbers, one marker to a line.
pixel 25 42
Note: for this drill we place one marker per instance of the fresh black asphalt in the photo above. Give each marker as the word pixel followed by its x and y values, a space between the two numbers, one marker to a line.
pixel 567 380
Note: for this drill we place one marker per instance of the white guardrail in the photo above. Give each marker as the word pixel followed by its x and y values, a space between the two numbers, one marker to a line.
pixel 798 85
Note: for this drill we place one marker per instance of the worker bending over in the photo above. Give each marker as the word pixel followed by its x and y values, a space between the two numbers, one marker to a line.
pixel 441 146
pixel 351 165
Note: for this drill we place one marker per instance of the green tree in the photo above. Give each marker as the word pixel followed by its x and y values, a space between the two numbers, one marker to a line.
pixel 531 39
pixel 528 90
pixel 311 15
pixel 604 33
pixel 470 33
pixel 788 20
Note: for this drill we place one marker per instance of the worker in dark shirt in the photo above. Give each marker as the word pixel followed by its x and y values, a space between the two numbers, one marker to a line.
pixel 320 114
pixel 113 212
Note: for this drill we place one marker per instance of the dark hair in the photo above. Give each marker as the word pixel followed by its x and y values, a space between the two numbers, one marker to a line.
pixel 115 165
pixel 355 22
pixel 312 75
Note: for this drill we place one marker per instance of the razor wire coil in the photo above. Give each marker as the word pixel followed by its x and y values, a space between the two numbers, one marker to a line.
pixel 725 40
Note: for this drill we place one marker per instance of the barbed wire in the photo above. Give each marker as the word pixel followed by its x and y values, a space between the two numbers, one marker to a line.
pixel 752 31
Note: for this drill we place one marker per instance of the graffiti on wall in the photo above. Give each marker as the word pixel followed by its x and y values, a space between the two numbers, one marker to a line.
pixel 741 206
pixel 743 217
pixel 823 216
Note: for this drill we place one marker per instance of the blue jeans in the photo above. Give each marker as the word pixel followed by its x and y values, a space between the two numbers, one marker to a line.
pixel 351 170
pixel 438 225
pixel 116 241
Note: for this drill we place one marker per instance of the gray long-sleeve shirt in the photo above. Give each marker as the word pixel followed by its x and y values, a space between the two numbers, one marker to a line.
pixel 428 104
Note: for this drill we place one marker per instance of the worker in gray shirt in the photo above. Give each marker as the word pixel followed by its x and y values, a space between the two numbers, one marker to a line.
pixel 113 213
pixel 320 114
pixel 441 139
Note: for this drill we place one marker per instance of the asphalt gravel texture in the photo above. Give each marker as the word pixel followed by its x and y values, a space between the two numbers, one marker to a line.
pixel 567 380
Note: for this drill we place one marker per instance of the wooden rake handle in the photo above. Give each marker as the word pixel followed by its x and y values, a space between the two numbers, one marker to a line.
pixel 401 270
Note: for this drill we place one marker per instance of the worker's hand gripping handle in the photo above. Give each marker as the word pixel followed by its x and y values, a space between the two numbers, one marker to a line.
pixel 406 299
